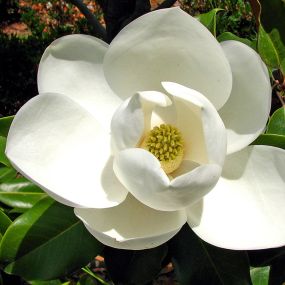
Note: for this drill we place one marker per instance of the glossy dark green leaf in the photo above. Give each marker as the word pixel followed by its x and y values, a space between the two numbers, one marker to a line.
pixel 209 20
pixel 276 124
pixel 18 192
pixel 271 139
pixel 260 276
pixel 5 123
pixel 3 158
pixel 273 257
pixel 47 242
pixel 271 34
pixel 5 222
pixel 50 282
pixel 8 279
pixel 7 173
pixel 226 36
pixel 134 267
pixel 197 262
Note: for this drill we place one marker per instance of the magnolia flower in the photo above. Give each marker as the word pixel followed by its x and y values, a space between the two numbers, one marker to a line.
pixel 151 132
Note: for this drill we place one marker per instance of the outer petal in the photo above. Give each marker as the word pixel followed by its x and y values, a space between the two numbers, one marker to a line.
pixel 62 148
pixel 202 128
pixel 132 225
pixel 167 45
pixel 72 65
pixel 246 208
pixel 133 118
pixel 140 172
pixel 246 112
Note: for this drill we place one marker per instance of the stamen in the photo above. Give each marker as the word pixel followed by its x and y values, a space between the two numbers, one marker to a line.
pixel 166 144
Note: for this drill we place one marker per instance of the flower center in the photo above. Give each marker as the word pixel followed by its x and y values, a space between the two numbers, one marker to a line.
pixel 166 144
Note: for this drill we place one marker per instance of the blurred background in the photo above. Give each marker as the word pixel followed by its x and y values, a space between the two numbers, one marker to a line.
pixel 27 27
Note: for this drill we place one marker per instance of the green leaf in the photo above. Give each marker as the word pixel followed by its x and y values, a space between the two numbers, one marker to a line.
pixel 50 282
pixel 47 242
pixel 226 36
pixel 197 262
pixel 5 123
pixel 5 222
pixel 8 279
pixel 271 34
pixel 209 20
pixel 270 139
pixel 273 257
pixel 90 278
pixel 18 192
pixel 87 280
pixel 134 267
pixel 3 158
pixel 267 48
pixel 276 123
pixel 6 173
pixel 260 276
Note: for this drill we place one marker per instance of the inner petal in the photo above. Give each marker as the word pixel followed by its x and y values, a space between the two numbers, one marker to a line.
pixel 133 118
pixel 189 121
pixel 203 130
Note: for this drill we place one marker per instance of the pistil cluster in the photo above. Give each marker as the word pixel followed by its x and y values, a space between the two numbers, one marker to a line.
pixel 166 144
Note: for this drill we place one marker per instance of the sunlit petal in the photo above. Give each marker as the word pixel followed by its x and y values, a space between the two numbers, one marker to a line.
pixel 167 45
pixel 140 172
pixel 58 145
pixel 246 208
pixel 72 65
pixel 246 112
pixel 132 225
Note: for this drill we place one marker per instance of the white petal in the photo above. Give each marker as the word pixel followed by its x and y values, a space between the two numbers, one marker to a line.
pixel 133 118
pixel 140 172
pixel 167 45
pixel 72 65
pixel 246 208
pixel 246 112
pixel 60 146
pixel 201 126
pixel 131 225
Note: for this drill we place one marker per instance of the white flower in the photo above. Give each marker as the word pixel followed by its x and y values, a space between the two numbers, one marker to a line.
pixel 84 139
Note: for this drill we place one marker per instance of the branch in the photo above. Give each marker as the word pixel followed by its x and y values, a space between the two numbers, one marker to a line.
pixel 97 29
pixel 165 4
pixel 118 13
pixel 142 7
pixel 256 10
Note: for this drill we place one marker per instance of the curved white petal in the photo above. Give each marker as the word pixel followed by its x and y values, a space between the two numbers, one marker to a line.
pixel 131 225
pixel 246 208
pixel 246 112
pixel 72 65
pixel 61 147
pixel 167 45
pixel 133 118
pixel 203 130
pixel 140 172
